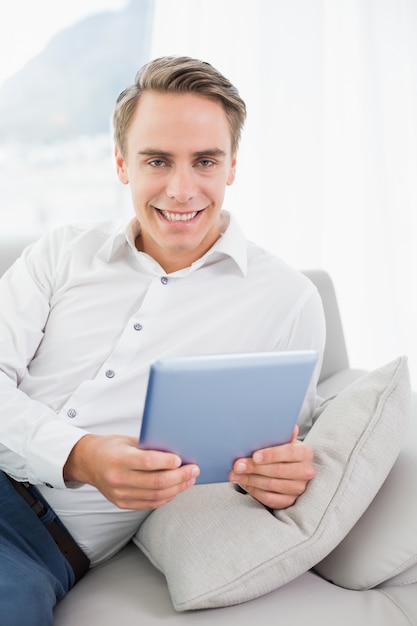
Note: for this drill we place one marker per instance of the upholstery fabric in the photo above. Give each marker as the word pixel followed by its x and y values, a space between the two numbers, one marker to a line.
pixel 381 549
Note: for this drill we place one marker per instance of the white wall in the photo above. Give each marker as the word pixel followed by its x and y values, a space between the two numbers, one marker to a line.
pixel 328 163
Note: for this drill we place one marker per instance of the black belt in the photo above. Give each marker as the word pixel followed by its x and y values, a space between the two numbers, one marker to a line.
pixel 69 548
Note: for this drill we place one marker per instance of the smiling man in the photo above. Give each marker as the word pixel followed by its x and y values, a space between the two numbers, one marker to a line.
pixel 87 309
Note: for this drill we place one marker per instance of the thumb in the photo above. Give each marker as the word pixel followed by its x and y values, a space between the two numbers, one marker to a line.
pixel 294 434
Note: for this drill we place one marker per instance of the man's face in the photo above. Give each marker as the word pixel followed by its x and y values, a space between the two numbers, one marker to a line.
pixel 178 162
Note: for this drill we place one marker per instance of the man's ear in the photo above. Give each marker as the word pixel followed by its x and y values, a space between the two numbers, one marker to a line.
pixel 232 172
pixel 121 168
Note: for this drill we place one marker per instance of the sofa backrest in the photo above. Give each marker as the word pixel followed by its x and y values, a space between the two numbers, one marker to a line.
pixel 335 353
pixel 11 247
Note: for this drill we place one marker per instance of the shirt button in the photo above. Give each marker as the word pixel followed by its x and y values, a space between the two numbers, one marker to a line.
pixel 110 374
pixel 71 412
pixel 137 326
pixel 164 280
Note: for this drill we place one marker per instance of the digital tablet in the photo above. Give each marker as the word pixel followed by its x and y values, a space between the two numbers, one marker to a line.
pixel 211 410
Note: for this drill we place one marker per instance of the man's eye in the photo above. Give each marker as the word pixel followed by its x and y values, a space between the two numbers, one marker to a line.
pixel 206 162
pixel 157 163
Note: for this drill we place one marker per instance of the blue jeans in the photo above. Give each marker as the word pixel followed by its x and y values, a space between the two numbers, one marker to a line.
pixel 34 574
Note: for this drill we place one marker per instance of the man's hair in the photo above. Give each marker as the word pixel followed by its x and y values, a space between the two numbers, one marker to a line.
pixel 179 75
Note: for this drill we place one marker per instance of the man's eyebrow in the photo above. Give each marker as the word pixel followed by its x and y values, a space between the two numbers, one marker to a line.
pixel 154 152
pixel 211 152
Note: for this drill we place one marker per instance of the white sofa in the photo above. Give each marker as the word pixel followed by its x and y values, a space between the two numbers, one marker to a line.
pixel 128 590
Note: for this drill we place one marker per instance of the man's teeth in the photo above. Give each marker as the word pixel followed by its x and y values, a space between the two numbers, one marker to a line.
pixel 179 217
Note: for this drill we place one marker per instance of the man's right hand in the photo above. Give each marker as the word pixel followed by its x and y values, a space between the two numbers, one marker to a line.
pixel 127 476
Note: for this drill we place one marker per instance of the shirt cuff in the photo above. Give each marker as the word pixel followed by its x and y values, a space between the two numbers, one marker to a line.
pixel 49 451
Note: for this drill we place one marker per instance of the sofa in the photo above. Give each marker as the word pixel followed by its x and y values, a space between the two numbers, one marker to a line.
pixel 369 577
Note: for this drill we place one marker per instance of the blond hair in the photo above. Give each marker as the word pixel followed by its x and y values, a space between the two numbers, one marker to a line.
pixel 179 75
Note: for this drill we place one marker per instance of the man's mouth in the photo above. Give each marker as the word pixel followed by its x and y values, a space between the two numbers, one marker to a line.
pixel 178 217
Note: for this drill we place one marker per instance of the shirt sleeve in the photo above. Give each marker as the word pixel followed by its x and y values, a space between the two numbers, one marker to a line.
pixel 34 443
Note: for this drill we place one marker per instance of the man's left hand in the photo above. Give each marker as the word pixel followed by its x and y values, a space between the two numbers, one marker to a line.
pixel 276 476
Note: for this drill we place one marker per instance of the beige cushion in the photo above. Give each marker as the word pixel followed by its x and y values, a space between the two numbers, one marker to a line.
pixel 219 547
pixel 381 549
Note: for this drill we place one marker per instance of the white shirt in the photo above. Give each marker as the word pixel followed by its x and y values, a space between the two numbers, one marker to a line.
pixel 83 315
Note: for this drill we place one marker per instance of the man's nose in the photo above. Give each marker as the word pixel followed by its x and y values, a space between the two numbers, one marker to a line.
pixel 181 185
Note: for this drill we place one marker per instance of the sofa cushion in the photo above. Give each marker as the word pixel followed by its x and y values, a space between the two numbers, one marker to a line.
pixel 218 547
pixel 381 549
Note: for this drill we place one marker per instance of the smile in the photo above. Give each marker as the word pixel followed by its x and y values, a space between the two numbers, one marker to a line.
pixel 178 217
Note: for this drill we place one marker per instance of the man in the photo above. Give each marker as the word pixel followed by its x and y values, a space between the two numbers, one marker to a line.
pixel 87 309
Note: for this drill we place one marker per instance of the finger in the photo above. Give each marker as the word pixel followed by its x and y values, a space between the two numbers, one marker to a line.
pixel 153 460
pixel 273 493
pixel 163 480
pixel 284 471
pixel 278 455
pixel 149 490
pixel 294 434
pixel 294 452
pixel 276 478
pixel 270 484
pixel 273 500
pixel 296 467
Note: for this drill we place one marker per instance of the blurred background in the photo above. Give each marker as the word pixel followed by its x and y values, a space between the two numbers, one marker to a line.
pixel 327 169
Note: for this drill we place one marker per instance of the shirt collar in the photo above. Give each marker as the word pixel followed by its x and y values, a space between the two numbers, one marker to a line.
pixel 123 236
pixel 231 243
